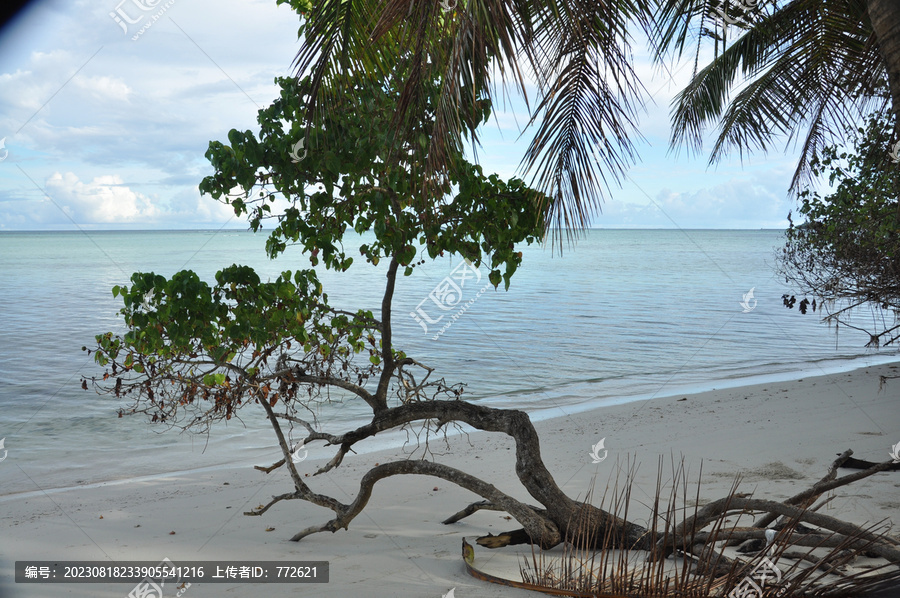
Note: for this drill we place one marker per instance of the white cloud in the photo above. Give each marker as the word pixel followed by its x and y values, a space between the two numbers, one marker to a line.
pixel 77 95
pixel 105 88
pixel 105 199
pixel 741 202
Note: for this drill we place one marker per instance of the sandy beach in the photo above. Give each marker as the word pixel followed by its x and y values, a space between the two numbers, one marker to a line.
pixel 780 437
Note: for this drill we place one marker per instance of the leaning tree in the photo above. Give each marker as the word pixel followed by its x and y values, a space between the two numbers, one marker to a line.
pixel 196 353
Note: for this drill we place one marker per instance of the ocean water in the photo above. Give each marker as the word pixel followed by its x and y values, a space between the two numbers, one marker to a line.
pixel 622 315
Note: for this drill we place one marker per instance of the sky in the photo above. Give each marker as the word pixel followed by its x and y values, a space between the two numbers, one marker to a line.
pixel 107 108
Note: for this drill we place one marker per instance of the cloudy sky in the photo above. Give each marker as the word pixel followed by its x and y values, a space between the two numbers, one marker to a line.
pixel 107 107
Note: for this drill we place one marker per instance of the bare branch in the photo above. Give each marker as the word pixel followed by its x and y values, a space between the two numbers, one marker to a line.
pixel 713 510
pixel 471 509
pixel 541 529
pixel 275 499
pixel 484 505
pixel 807 497
pixel 270 468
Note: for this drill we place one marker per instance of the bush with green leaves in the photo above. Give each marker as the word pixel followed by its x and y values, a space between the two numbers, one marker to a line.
pixel 845 256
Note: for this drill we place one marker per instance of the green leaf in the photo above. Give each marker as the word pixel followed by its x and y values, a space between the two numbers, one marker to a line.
pixel 214 379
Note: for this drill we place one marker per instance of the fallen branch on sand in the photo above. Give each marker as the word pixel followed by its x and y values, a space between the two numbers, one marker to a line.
pixel 793 551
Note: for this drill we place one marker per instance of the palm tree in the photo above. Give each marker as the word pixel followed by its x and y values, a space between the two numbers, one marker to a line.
pixel 807 69
pixel 568 59
pixel 798 69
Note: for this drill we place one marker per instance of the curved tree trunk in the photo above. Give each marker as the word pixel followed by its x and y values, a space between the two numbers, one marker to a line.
pixel 561 519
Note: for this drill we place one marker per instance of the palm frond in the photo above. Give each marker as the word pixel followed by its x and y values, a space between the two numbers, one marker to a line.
pixel 577 54
pixel 798 73
pixel 587 114
pixel 337 47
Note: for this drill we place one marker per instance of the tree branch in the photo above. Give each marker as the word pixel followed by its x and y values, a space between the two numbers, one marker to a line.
pixel 713 510
pixel 379 401
pixel 483 505
pixel 469 510
pixel 827 483
pixel 541 529
pixel 529 465
pixel 275 499
pixel 303 491
pixel 807 497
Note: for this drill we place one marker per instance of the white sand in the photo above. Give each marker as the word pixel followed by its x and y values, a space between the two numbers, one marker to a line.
pixel 780 436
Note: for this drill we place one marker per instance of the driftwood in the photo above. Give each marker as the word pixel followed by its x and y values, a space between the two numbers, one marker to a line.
pixel 814 550
pixel 860 464
pixel 830 481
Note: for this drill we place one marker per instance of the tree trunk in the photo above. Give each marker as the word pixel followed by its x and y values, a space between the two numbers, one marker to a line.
pixel 590 530
pixel 560 519
pixel 885 17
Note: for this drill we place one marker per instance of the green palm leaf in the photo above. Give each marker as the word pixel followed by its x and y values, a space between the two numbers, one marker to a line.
pixel 805 71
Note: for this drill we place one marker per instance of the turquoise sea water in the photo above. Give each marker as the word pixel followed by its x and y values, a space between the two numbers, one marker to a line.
pixel 623 314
